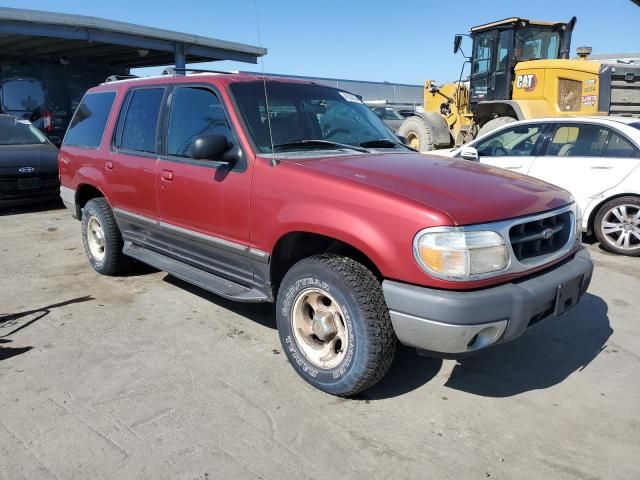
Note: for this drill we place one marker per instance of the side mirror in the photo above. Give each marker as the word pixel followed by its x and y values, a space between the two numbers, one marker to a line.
pixel 457 41
pixel 210 147
pixel 402 139
pixel 469 153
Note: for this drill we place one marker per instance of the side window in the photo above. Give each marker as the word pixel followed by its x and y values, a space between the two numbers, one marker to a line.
pixel 578 141
pixel 138 121
pixel 619 147
pixel 503 51
pixel 90 120
pixel 517 141
pixel 194 111
pixel 482 54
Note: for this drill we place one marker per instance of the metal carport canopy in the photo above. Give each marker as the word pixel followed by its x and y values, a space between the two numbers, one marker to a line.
pixel 48 36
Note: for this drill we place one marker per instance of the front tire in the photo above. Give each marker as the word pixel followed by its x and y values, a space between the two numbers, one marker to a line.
pixel 418 134
pixel 334 324
pixel 617 226
pixel 102 239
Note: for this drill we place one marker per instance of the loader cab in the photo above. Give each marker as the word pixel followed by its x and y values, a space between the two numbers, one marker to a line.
pixel 498 46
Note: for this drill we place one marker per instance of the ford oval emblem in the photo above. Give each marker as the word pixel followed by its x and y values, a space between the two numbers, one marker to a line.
pixel 547 234
pixel 26 169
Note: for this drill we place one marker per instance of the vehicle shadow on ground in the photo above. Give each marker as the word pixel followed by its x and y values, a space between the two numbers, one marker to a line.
pixel 408 372
pixel 261 313
pixel 544 356
pixel 32 208
pixel 13 321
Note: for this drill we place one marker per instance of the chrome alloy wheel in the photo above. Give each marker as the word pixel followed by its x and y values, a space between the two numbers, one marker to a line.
pixel 621 227
pixel 319 327
pixel 95 239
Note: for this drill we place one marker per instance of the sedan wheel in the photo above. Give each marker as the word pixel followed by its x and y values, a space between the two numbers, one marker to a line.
pixel 618 226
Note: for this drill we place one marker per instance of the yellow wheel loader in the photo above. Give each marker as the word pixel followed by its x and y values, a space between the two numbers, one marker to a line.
pixel 520 69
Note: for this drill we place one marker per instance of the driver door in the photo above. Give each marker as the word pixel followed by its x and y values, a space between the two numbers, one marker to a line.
pixel 514 148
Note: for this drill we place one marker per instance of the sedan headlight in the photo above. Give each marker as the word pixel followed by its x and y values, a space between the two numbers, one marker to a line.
pixel 459 255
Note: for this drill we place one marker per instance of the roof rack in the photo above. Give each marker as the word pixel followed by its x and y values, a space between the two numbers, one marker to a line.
pixel 174 70
pixel 115 78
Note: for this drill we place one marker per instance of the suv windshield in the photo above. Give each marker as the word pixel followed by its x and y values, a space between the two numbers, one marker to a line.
pixel 18 132
pixel 537 44
pixel 303 116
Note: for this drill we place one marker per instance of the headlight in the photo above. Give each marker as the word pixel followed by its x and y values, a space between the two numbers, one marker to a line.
pixel 459 255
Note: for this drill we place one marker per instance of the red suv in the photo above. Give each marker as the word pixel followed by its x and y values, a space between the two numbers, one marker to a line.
pixel 274 190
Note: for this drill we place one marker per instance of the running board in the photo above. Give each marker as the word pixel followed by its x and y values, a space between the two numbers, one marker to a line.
pixel 208 281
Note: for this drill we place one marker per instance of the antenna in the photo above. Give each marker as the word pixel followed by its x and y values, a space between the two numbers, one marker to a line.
pixel 274 162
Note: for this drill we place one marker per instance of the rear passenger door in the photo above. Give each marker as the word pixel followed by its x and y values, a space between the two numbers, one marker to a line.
pixel 131 165
pixel 586 159
pixel 204 204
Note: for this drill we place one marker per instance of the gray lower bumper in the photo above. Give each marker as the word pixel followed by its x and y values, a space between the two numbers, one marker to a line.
pixel 458 322
pixel 68 197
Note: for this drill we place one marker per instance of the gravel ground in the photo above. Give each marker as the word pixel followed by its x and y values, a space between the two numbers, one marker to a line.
pixel 145 376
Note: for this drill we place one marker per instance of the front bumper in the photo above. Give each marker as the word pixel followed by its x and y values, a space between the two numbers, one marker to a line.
pixel 457 322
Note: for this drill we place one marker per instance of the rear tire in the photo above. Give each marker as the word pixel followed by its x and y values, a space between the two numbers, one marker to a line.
pixel 418 134
pixel 495 123
pixel 617 226
pixel 334 324
pixel 102 239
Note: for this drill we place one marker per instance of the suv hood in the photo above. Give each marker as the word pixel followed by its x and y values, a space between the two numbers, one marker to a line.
pixel 466 191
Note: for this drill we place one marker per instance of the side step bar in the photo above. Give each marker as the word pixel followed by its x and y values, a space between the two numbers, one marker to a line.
pixel 205 280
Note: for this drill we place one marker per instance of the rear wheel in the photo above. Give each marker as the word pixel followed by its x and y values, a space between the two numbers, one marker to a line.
pixel 418 134
pixel 495 123
pixel 102 239
pixel 617 226
pixel 334 324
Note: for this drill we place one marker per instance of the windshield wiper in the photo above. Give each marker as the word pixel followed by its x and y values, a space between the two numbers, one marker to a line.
pixel 325 144
pixel 384 143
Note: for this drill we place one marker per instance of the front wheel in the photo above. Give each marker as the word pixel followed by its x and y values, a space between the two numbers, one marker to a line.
pixel 617 226
pixel 334 324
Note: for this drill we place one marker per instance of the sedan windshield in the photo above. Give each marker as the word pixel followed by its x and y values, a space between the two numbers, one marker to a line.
pixel 308 117
pixel 14 131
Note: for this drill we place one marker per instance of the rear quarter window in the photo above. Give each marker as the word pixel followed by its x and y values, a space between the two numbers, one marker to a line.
pixel 89 121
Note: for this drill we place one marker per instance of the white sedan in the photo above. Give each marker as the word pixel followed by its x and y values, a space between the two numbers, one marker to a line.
pixel 596 158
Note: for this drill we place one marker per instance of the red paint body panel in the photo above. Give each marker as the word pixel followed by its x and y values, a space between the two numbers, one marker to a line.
pixel 374 202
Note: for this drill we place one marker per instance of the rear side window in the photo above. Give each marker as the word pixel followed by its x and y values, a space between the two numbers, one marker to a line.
pixel 138 122
pixel 194 111
pixel 578 141
pixel 90 120
pixel 619 147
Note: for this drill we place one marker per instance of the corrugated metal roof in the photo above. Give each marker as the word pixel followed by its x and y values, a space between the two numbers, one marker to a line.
pixel 49 36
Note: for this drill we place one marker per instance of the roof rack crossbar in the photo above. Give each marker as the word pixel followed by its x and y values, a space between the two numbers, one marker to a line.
pixel 173 70
pixel 115 78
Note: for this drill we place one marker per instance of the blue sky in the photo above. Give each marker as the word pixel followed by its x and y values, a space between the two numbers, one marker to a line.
pixel 398 41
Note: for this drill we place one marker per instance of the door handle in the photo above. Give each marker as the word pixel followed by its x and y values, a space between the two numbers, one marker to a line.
pixel 167 175
pixel 108 165
pixel 601 167
pixel 513 167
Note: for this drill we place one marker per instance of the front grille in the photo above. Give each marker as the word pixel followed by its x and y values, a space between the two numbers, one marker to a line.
pixel 27 185
pixel 540 237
